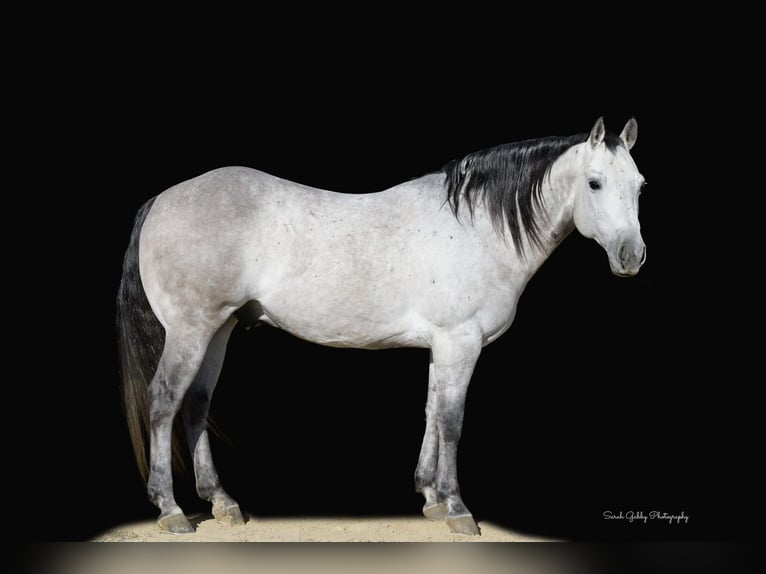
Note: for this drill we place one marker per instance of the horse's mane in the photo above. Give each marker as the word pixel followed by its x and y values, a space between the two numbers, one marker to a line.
pixel 509 179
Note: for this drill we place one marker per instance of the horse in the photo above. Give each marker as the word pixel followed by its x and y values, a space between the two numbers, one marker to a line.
pixel 438 262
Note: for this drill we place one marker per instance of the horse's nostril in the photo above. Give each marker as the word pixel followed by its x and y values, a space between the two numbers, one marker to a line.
pixel 622 254
pixel 643 254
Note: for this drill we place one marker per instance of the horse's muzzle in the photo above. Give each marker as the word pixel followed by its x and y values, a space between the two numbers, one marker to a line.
pixel 629 257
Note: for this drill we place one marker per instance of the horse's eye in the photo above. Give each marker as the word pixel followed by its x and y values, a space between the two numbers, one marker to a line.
pixel 594 184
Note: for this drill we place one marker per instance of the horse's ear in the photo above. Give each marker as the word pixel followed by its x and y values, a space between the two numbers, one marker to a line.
pixel 630 133
pixel 597 133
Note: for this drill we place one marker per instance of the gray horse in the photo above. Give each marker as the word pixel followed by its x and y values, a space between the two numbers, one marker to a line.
pixel 438 262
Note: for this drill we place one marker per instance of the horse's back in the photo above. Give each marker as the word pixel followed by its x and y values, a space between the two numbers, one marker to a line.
pixel 226 193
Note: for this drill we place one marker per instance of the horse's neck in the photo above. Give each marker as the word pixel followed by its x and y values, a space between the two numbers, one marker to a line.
pixel 559 205
pixel 557 220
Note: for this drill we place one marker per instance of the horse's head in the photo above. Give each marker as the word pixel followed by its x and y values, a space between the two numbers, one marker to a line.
pixel 606 197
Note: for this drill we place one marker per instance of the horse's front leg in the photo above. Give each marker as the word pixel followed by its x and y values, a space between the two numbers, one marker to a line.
pixel 453 357
pixel 425 475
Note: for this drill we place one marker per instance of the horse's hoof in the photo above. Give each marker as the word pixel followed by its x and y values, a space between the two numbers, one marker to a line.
pixel 463 524
pixel 230 514
pixel 175 524
pixel 437 511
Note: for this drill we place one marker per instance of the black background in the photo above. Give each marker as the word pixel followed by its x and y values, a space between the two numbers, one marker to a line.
pixel 606 394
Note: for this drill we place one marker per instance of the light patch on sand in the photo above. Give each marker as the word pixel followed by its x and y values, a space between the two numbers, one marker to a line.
pixel 378 529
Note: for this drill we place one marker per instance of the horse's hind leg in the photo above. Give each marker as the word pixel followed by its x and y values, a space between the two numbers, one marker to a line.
pixel 182 356
pixel 194 411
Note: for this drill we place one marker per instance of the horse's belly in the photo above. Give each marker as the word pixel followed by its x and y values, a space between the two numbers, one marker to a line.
pixel 356 336
pixel 341 319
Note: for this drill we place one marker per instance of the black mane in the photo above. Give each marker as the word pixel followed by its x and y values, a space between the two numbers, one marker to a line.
pixel 509 178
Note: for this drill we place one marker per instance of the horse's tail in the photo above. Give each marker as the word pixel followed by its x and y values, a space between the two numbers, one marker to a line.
pixel 141 340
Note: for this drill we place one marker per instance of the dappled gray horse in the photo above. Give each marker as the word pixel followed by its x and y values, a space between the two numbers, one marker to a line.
pixel 438 262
